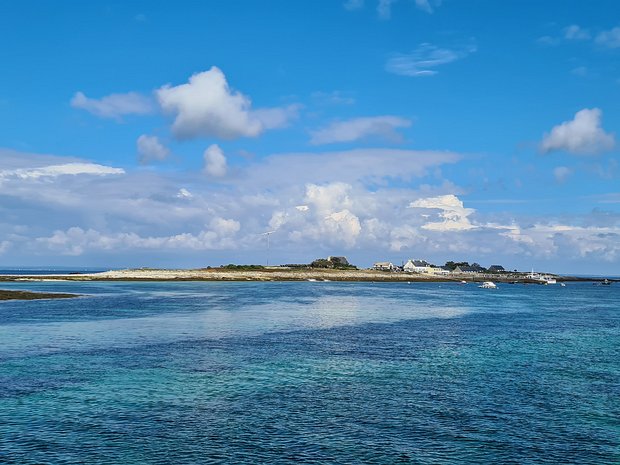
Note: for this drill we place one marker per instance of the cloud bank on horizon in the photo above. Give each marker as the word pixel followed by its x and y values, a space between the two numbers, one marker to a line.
pixel 189 168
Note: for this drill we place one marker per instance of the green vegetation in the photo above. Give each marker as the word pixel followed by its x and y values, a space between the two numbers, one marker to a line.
pixel 331 264
pixel 452 265
pixel 231 266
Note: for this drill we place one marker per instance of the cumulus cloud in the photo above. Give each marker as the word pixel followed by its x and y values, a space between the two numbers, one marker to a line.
pixel 610 38
pixel 552 239
pixel 582 135
pixel 214 161
pixel 383 127
pixel 114 105
pixel 151 148
pixel 452 213
pixel 207 107
pixel 320 204
pixel 424 59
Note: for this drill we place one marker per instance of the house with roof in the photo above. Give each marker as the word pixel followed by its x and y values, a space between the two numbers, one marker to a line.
pixel 417 266
pixel 383 266
pixel 496 269
pixel 438 270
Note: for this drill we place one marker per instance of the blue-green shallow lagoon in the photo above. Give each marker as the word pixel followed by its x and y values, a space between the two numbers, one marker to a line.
pixel 245 373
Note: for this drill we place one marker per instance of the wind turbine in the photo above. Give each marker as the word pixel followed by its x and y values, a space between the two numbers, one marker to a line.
pixel 268 233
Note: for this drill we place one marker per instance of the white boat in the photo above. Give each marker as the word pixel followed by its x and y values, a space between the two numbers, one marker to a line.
pixel 562 284
pixel 488 285
pixel 463 282
pixel 541 278
pixel 312 280
pixel 548 280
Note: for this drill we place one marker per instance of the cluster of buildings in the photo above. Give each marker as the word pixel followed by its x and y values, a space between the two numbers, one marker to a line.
pixel 424 267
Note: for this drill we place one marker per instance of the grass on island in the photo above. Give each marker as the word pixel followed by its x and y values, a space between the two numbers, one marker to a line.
pixel 26 295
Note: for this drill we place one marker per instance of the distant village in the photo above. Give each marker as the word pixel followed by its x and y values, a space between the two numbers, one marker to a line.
pixel 410 266
pixel 424 267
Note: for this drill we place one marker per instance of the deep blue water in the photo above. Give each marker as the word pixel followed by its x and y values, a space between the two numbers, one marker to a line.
pixel 245 373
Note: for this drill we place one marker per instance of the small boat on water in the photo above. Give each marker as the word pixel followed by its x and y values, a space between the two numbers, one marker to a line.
pixel 606 282
pixel 541 278
pixel 312 280
pixel 562 284
pixel 488 285
pixel 463 282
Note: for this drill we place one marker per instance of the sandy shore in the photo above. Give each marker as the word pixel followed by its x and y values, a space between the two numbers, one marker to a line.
pixel 269 274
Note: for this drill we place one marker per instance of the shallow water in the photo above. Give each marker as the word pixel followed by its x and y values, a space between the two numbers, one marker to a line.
pixel 185 373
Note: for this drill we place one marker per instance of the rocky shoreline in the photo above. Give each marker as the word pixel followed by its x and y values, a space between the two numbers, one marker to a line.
pixel 279 274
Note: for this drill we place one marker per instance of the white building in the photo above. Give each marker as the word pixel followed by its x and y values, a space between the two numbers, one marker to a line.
pixel 417 266
pixel 384 266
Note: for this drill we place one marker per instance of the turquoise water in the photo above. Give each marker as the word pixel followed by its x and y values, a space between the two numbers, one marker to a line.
pixel 245 373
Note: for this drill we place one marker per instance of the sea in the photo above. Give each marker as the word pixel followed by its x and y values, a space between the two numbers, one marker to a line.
pixel 310 372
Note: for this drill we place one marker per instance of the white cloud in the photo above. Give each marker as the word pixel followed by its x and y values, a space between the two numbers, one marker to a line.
pixel 561 173
pixel 582 135
pixel 207 107
pixel 77 241
pixel 556 239
pixel 452 213
pixel 610 38
pixel 225 227
pixel 383 127
pixel 184 194
pixel 4 246
pixel 423 60
pixel 150 148
pixel 114 105
pixel 54 171
pixel 215 161
pixel 574 32
pixel 359 165
pixel 320 204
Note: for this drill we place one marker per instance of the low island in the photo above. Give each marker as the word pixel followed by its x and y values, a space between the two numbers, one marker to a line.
pixel 330 269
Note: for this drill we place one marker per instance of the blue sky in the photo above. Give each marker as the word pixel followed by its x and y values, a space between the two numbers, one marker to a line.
pixel 160 134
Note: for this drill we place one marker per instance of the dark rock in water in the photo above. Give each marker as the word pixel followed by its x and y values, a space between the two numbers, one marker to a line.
pixel 27 295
